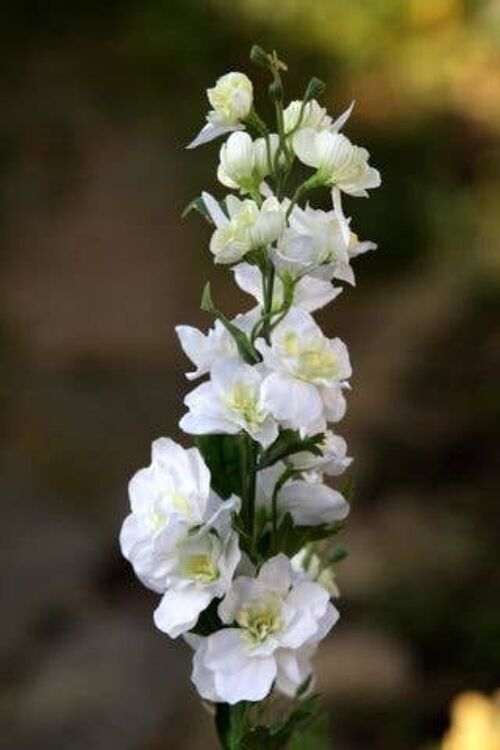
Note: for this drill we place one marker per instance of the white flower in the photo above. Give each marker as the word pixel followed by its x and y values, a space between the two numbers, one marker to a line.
pixel 230 402
pixel 243 163
pixel 205 349
pixel 308 373
pixel 315 243
pixel 339 164
pixel 247 227
pixel 333 461
pixel 231 99
pixel 310 294
pixel 273 626
pixel 204 567
pixel 337 160
pixel 308 500
pixel 307 565
pixel 168 499
pixel 178 536
pixel 313 116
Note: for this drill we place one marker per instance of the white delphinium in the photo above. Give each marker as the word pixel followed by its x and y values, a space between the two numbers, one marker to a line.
pixel 245 227
pixel 231 401
pixel 203 567
pixel 314 243
pixel 309 501
pixel 308 373
pixel 243 163
pixel 204 349
pixel 310 293
pixel 173 512
pixel 215 530
pixel 232 100
pixel 271 621
pixel 339 164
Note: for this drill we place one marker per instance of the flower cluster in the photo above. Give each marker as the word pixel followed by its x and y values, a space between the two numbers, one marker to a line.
pixel 234 534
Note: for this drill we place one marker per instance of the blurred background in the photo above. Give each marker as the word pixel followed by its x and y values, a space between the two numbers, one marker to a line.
pixel 96 267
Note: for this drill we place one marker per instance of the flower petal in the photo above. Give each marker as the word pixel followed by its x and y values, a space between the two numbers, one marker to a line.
pixel 179 609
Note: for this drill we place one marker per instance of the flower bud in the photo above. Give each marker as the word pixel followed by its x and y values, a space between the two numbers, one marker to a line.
pixel 231 99
pixel 259 57
pixel 315 88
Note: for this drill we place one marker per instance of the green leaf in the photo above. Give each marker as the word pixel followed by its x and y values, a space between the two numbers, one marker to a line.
pixel 276 736
pixel 336 555
pixel 246 349
pixel 197 204
pixel 289 442
pixel 232 724
pixel 222 456
pixel 348 488
pixel 314 737
pixel 291 538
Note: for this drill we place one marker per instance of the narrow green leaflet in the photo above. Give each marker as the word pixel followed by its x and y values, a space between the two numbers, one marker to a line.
pixel 246 349
pixel 314 737
pixel 197 204
pixel 277 735
pixel 287 444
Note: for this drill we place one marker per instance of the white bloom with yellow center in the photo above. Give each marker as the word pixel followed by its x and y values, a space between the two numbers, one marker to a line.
pixel 245 227
pixel 308 373
pixel 314 244
pixel 273 627
pixel 205 564
pixel 243 163
pixel 310 293
pixel 232 100
pixel 169 499
pixel 230 402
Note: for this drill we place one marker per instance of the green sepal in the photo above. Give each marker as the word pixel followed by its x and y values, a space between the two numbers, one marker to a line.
pixel 245 348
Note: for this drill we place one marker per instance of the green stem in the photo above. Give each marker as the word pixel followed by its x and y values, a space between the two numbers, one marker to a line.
pixel 248 470
pixel 268 302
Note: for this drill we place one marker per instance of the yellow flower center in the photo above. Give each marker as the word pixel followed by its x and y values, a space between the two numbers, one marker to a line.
pixel 201 568
pixel 314 365
pixel 241 399
pixel 260 619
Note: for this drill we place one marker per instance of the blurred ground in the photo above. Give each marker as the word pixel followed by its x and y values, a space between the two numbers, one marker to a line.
pixel 97 267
